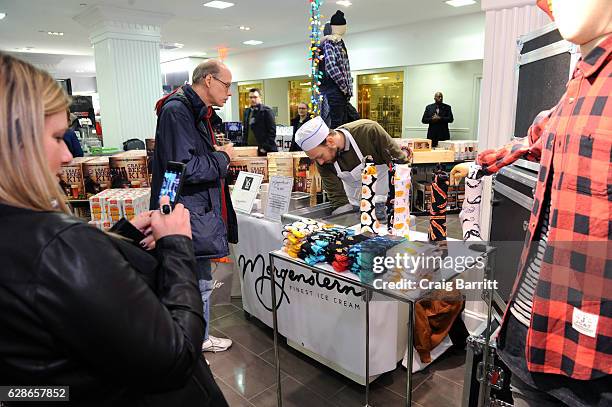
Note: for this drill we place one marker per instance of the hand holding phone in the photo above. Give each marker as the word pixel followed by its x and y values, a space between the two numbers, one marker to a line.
pixel 172 183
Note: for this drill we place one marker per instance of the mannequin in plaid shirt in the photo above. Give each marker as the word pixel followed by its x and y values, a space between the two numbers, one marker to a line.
pixel 558 343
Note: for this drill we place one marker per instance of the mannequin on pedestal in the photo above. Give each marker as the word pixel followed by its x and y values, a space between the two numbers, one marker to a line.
pixel 336 83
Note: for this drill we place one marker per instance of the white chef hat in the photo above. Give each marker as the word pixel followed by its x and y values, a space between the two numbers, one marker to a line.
pixel 311 134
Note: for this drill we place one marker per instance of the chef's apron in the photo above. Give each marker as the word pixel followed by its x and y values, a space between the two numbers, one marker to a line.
pixel 351 180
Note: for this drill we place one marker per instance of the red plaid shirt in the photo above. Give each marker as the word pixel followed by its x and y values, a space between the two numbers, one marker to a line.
pixel 573 141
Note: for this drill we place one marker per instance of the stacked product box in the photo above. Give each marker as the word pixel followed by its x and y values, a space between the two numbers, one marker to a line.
pixel 463 149
pixel 71 178
pixel 257 165
pixel 110 205
pixel 129 169
pixel 280 164
pixel 284 135
pixel 96 175
pixel 414 144
pixel 305 173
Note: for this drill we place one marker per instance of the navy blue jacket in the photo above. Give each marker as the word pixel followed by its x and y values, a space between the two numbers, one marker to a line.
pixel 184 134
pixel 71 140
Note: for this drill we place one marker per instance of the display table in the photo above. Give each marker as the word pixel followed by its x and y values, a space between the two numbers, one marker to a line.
pixel 289 270
pixel 323 317
pixel 332 331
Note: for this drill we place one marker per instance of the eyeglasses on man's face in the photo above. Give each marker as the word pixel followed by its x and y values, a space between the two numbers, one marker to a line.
pixel 227 85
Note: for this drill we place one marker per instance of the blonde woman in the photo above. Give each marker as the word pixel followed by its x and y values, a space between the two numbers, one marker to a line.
pixel 79 307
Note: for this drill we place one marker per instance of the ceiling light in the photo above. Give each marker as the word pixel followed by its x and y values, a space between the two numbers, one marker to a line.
pixel 305 84
pixel 55 33
pixel 460 3
pixel 252 42
pixel 2 15
pixel 344 3
pixel 218 4
pixel 79 71
pixel 380 78
pixel 245 28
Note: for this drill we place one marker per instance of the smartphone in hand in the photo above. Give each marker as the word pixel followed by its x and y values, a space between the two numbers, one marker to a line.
pixel 173 181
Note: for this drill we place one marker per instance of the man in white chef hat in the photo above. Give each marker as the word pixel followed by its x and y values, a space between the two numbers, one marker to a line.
pixel 339 156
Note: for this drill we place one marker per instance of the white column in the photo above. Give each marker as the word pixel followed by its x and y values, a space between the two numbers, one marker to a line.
pixel 126 50
pixel 505 21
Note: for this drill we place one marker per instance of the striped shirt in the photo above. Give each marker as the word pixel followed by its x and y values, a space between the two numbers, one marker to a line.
pixel 522 306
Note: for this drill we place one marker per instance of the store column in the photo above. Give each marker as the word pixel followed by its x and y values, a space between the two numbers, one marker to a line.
pixel 128 73
pixel 505 21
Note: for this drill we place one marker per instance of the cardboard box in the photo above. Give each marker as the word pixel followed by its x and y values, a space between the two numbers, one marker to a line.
pixel 112 204
pixel 96 175
pixel 71 178
pixel 280 164
pixel 422 199
pixel 414 144
pixel 257 165
pixel 129 169
pixel 433 156
pixel 305 174
pixel 245 152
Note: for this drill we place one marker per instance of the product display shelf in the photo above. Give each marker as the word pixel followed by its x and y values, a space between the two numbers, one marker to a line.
pixel 409 297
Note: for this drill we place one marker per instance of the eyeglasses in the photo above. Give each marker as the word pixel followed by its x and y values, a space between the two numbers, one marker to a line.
pixel 227 85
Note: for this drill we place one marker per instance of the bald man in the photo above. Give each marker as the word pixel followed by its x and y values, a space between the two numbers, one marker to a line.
pixel 438 115
pixel 185 134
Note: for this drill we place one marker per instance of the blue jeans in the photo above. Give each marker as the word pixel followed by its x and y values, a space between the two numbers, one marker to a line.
pixel 205 282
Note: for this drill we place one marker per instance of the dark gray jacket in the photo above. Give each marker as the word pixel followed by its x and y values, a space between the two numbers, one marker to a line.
pixel 264 128
pixel 184 133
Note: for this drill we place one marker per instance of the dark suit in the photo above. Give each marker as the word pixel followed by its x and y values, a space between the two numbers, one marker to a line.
pixel 264 127
pixel 438 131
pixel 296 124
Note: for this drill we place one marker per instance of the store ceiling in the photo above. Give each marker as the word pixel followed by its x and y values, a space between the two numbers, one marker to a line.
pixel 200 29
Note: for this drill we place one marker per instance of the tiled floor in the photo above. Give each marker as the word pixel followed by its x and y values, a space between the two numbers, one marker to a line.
pixel 247 376
pixel 246 373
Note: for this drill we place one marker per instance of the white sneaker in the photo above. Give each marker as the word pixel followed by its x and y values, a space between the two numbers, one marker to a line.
pixel 214 344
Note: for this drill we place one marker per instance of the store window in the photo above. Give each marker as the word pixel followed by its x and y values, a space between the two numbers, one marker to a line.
pixel 299 91
pixel 243 94
pixel 380 98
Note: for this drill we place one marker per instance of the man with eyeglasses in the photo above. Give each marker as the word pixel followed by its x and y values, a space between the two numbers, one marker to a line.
pixel 259 126
pixel 185 124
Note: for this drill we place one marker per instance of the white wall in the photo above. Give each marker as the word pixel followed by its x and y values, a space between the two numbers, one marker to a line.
pixel 84 84
pixel 450 39
pixel 457 81
pixel 181 65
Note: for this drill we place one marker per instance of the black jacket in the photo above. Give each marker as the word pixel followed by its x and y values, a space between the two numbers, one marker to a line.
pixel 438 131
pixel 264 128
pixel 81 308
pixel 295 123
pixel 184 133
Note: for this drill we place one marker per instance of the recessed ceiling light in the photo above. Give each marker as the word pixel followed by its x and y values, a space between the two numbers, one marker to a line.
pixel 2 15
pixel 79 71
pixel 218 4
pixel 344 3
pixel 55 33
pixel 460 3
pixel 252 42
pixel 245 28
